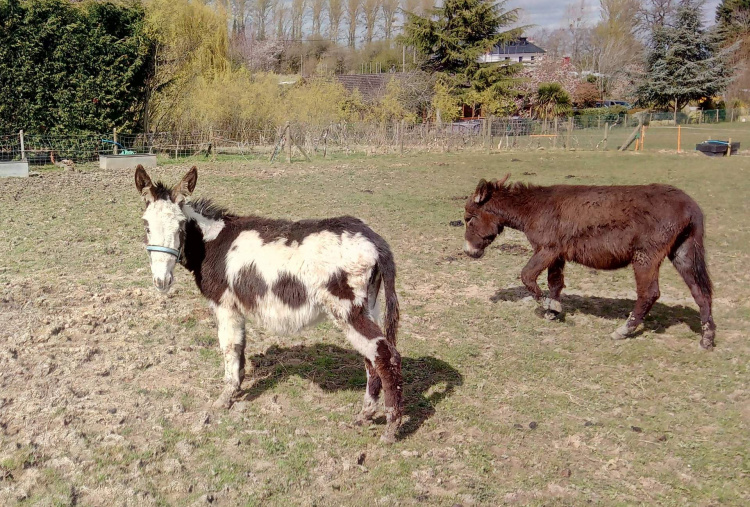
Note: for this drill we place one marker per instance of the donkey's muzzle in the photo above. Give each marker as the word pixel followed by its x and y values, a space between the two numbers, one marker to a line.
pixel 474 253
pixel 164 284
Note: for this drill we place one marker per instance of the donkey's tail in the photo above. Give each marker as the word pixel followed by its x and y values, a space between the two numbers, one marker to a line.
pixel 689 256
pixel 387 268
pixel 700 270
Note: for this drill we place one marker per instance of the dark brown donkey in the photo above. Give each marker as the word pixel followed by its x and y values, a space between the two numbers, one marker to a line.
pixel 602 228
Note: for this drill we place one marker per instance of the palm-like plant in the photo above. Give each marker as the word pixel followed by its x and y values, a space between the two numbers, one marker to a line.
pixel 551 100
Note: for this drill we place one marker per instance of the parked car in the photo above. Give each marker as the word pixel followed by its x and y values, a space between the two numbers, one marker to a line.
pixel 610 103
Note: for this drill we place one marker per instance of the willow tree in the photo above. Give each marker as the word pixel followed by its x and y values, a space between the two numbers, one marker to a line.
pixel 192 47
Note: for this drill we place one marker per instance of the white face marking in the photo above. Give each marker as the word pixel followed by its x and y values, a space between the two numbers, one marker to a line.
pixel 209 228
pixel 164 220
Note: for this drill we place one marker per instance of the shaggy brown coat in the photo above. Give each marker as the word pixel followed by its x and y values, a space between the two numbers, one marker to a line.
pixel 602 227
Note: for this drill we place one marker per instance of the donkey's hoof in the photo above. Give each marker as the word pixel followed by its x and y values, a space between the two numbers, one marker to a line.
pixel 551 315
pixel 224 400
pixel 552 305
pixel 389 435
pixel 221 403
pixel 621 333
pixel 707 344
pixel 364 418
pixel 707 340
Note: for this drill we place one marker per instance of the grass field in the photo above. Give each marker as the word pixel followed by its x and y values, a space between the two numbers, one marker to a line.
pixel 105 384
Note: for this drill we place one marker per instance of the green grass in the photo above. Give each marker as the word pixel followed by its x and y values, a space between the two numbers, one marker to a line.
pixel 479 362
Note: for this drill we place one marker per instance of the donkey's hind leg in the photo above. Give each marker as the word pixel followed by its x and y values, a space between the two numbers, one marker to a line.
pixel 647 288
pixel 231 325
pixel 372 394
pixel 367 338
pixel 556 283
pixel 688 260
pixel 374 384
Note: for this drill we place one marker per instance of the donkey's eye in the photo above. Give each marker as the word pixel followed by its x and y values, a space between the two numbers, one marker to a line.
pixel 148 231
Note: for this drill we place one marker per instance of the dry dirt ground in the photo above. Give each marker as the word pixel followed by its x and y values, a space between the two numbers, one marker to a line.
pixel 105 385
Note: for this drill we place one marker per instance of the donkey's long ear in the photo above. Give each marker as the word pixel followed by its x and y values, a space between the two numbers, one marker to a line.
pixel 499 184
pixel 483 192
pixel 143 184
pixel 186 186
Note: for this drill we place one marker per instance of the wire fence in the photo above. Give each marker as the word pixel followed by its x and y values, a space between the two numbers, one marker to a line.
pixel 299 140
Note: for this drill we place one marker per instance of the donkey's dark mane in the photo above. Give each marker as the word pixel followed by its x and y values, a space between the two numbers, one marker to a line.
pixel 208 209
pixel 519 186
pixel 162 191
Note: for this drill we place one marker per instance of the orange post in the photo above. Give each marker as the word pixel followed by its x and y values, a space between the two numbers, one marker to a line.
pixel 643 136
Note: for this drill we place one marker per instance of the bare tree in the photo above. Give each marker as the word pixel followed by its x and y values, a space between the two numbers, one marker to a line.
pixel 410 6
pixel 555 42
pixel 281 21
pixel 390 9
pixel 260 11
pixel 239 16
pixel 655 13
pixel 335 13
pixel 579 32
pixel 370 10
pixel 316 11
pixel 426 6
pixel 352 16
pixel 616 47
pixel 297 15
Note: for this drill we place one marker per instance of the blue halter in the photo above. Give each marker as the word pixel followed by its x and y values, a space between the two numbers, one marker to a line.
pixel 164 249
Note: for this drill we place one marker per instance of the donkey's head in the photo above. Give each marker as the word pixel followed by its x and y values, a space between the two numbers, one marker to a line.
pixel 482 226
pixel 165 223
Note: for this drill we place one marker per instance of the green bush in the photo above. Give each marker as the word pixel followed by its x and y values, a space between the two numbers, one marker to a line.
pixel 72 67
pixel 596 116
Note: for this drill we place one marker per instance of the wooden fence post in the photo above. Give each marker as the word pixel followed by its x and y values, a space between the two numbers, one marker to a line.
pixel 570 130
pixel 23 146
pixel 729 148
pixel 325 142
pixel 679 138
pixel 554 139
pixel 484 133
pixel 114 138
pixel 288 140
pixel 401 136
pixel 643 136
pixel 606 134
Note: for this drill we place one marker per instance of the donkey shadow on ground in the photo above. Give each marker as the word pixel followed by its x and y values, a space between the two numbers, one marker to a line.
pixel 427 380
pixel 658 319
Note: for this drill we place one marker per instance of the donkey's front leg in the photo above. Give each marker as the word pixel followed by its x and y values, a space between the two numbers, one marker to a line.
pixel 556 283
pixel 232 342
pixel 541 260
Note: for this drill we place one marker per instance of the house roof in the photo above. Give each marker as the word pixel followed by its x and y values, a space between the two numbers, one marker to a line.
pixel 371 86
pixel 518 46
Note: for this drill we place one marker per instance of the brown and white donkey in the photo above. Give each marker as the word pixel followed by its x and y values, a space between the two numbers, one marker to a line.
pixel 285 275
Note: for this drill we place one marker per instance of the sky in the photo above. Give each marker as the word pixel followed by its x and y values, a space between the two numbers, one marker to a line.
pixel 551 13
